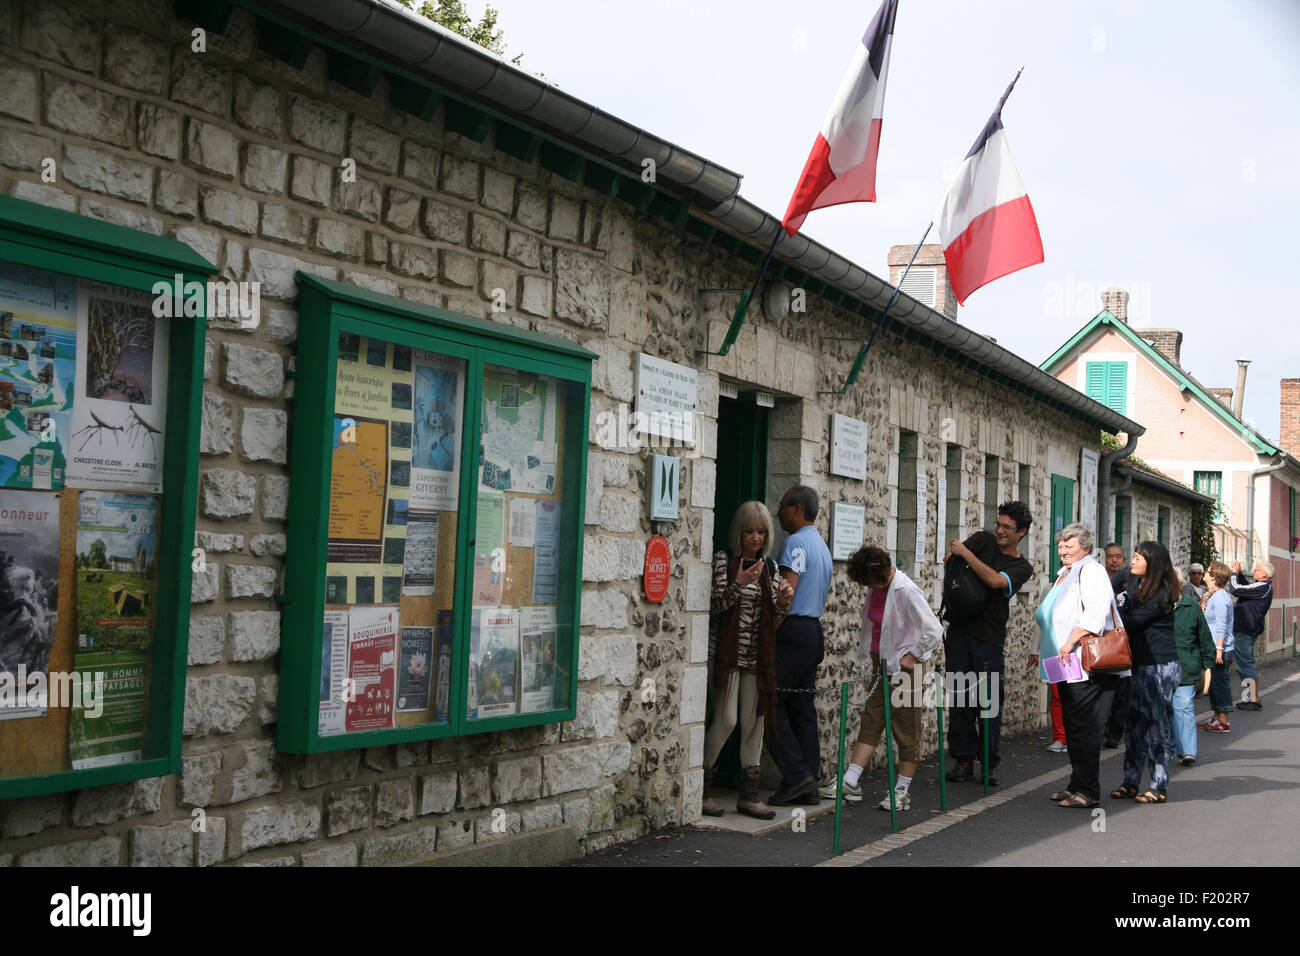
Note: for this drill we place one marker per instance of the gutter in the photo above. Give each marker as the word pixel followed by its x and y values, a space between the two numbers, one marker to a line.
pixel 1104 492
pixel 1250 508
pixel 415 44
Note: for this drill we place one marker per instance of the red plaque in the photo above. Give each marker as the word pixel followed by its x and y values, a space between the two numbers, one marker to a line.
pixel 658 562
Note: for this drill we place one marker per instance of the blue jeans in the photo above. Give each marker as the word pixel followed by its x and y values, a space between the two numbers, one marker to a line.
pixel 1221 687
pixel 1148 729
pixel 792 735
pixel 1243 652
pixel 1185 720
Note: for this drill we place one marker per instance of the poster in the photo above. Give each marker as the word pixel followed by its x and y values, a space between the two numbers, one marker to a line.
pixel 119 417
pixel 29 597
pixel 38 366
pixel 333 672
pixel 518 445
pixel 922 512
pixel 848 529
pixel 414 668
pixel 439 412
pixel 494 662
pixel 420 570
pixel 358 480
pixel 941 517
pixel 116 736
pixel 537 641
pixel 372 668
pixel 546 557
pixel 442 680
pixel 489 549
pixel 523 522
pixel 117 549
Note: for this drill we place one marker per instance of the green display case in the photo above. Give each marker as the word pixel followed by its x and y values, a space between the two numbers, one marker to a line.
pixel 438 487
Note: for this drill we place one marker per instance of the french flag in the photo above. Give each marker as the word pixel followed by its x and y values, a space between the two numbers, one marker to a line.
pixel 842 165
pixel 986 222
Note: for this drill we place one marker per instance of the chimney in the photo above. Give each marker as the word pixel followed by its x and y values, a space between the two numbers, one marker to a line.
pixel 1240 396
pixel 927 281
pixel 1224 395
pixel 1291 416
pixel 1115 301
pixel 1168 342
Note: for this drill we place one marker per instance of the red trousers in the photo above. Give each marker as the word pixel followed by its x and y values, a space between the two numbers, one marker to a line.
pixel 1058 722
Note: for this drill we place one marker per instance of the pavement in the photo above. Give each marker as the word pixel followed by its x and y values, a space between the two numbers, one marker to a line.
pixel 1236 807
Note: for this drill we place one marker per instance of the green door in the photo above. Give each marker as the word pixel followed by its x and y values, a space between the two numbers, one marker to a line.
pixel 1062 514
pixel 742 476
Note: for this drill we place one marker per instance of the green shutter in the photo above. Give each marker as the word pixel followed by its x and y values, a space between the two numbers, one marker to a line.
pixel 1107 382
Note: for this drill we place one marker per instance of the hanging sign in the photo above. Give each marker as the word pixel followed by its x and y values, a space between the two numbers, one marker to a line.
pixel 658 562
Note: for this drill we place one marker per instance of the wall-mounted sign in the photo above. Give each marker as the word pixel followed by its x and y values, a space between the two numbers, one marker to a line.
pixel 922 510
pixel 1089 461
pixel 665 480
pixel 658 562
pixel 665 398
pixel 848 447
pixel 848 529
pixel 941 517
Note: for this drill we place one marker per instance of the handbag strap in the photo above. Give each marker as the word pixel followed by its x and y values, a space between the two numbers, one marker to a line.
pixel 1116 622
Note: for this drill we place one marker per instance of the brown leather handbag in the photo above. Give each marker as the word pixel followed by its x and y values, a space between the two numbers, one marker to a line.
pixel 1109 652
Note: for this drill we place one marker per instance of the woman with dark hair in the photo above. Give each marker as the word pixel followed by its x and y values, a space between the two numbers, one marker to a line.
pixel 1147 609
pixel 748 602
pixel 899 630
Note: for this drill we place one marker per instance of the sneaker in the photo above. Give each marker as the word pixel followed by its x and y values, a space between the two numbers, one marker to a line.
pixel 1187 760
pixel 1217 727
pixel 962 771
pixel 901 798
pixel 1250 705
pixel 851 794
pixel 1111 743
pixel 1057 747
pixel 993 777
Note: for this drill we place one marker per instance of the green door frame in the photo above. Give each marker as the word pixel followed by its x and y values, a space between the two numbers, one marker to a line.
pixel 1062 514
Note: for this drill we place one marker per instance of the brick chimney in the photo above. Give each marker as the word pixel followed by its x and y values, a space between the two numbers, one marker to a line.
pixel 928 280
pixel 1168 342
pixel 1115 301
pixel 1224 395
pixel 1291 416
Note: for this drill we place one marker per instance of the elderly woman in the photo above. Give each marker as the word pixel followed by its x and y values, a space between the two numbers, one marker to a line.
pixel 749 599
pixel 1080 604
pixel 898 631
pixel 1221 616
pixel 1148 614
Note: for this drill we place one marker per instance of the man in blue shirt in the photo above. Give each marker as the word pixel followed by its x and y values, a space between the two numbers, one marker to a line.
pixel 805 562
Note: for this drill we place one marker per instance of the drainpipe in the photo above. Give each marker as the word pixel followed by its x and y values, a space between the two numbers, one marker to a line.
pixel 1250 510
pixel 1104 491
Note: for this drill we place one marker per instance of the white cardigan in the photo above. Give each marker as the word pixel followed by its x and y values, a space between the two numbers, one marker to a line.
pixel 1084 603
pixel 908 626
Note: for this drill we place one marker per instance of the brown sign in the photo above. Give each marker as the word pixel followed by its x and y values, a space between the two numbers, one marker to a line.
pixel 658 562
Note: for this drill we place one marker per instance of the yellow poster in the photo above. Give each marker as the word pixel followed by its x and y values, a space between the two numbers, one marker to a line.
pixel 359 464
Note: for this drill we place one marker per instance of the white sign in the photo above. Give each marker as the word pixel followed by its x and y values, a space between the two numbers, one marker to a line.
pixel 1088 464
pixel 848 529
pixel 848 447
pixel 941 514
pixel 665 399
pixel 665 480
pixel 922 508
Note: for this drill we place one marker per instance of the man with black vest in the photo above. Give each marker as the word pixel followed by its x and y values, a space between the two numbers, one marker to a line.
pixel 975 644
pixel 1254 598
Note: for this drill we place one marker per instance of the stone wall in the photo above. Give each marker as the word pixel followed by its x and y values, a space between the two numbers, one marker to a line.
pixel 244 159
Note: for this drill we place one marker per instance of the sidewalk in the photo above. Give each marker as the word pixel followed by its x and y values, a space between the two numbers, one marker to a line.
pixel 1235 806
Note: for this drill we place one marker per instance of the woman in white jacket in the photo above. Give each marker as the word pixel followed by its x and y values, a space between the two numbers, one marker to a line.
pixel 898 631
pixel 1079 605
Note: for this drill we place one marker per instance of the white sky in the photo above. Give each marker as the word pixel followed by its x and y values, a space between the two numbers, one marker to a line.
pixel 1159 143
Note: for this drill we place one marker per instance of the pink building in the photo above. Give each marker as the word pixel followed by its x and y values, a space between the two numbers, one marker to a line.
pixel 1196 435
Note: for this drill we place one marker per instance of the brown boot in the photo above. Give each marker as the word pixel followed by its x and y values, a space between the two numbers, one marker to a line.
pixel 710 806
pixel 748 802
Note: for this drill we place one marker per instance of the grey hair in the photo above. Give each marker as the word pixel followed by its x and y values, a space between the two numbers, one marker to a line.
pixel 1268 568
pixel 1077 530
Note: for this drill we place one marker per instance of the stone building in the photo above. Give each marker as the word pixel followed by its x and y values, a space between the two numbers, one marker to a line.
pixel 439 174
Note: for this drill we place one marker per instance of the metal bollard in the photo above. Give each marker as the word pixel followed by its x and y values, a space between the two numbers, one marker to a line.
pixel 839 777
pixel 889 754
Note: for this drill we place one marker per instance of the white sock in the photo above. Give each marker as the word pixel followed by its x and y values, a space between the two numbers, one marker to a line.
pixel 903 783
pixel 852 775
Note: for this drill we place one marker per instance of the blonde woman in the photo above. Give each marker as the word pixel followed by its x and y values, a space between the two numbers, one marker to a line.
pixel 748 602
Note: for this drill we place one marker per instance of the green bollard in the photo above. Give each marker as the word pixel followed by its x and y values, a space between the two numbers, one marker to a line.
pixel 984 726
pixel 1294 624
pixel 839 777
pixel 889 754
pixel 943 779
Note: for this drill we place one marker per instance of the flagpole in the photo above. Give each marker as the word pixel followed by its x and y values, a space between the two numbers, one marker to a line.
pixel 866 346
pixel 742 309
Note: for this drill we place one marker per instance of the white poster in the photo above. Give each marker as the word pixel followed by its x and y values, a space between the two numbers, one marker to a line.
pixel 941 516
pixel 523 522
pixel 922 512
pixel 848 529
pixel 420 557
pixel 1089 461
pixel 848 446
pixel 119 412
pixel 493 662
pixel 438 417
pixel 537 659
pixel 333 673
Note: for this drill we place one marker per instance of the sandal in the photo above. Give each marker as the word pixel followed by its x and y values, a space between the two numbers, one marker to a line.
pixel 1152 796
pixel 1060 795
pixel 1124 791
pixel 1077 801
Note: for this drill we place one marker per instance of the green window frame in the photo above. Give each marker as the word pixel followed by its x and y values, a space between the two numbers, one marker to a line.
pixel 1107 382
pixel 62 242
pixel 1295 515
pixel 328 309
pixel 905 545
pixel 1210 483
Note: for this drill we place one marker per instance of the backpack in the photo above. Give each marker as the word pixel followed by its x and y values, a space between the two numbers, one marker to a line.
pixel 964 594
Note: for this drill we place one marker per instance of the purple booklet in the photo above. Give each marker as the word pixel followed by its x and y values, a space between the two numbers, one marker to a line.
pixel 1071 672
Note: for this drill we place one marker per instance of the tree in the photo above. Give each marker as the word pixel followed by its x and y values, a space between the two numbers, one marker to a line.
pixel 451 14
